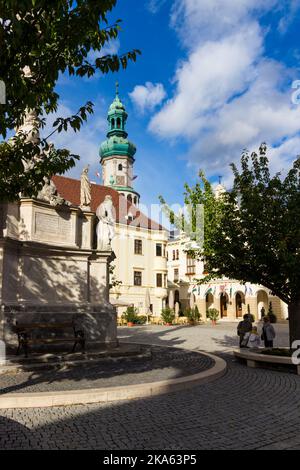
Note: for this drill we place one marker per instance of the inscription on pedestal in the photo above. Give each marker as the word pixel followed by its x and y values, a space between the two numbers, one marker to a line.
pixel 52 227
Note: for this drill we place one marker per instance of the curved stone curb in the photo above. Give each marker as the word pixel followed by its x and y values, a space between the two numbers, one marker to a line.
pixel 101 395
pixel 253 359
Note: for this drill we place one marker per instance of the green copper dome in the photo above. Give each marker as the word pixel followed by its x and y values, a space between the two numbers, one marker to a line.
pixel 117 142
pixel 117 145
pixel 117 106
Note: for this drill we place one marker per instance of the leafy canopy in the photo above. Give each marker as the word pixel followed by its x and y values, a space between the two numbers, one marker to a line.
pixel 40 40
pixel 252 233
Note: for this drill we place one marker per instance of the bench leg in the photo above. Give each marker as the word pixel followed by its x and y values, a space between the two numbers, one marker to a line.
pixel 252 364
pixel 26 349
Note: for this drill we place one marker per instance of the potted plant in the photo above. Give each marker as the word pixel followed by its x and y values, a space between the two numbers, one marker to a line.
pixel 131 316
pixel 167 316
pixel 213 315
pixel 193 315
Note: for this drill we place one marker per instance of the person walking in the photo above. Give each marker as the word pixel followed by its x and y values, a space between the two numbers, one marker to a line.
pixel 245 326
pixel 268 333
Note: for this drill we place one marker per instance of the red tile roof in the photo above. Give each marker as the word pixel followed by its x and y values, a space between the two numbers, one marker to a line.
pixel 69 189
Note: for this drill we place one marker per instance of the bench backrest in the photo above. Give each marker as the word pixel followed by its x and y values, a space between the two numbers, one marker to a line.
pixel 50 326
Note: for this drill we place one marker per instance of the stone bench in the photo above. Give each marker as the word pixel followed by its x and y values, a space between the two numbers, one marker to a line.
pixel 26 338
pixel 255 359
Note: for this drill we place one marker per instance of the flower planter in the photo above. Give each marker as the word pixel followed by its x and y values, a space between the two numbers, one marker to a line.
pixel 168 324
pixel 130 324
pixel 214 322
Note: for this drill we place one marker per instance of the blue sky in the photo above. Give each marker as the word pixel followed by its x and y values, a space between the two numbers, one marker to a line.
pixel 214 77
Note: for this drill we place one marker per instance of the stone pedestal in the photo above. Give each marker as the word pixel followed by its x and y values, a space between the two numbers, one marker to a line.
pixel 50 271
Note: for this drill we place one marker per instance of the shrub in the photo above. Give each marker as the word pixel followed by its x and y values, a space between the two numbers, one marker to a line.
pixel 141 320
pixel 197 314
pixel 271 314
pixel 131 315
pixel 212 314
pixel 167 315
pixel 192 314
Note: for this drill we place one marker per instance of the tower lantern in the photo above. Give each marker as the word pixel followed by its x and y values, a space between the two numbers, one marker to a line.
pixel 117 152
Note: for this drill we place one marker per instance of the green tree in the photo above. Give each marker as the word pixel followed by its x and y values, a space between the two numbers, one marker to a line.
pixel 252 233
pixel 39 40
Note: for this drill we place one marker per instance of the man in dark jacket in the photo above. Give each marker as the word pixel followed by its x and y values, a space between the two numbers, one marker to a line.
pixel 244 327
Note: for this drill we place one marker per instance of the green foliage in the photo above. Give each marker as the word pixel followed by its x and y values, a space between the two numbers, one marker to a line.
pixel 167 315
pixel 192 314
pixel 113 282
pixel 25 163
pixel 130 315
pixel 252 233
pixel 141 320
pixel 40 40
pixel 282 352
pixel 212 314
pixel 271 314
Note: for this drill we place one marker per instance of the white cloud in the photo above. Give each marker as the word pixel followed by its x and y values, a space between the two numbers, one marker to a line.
pixel 212 19
pixel 148 96
pixel 111 48
pixel 155 5
pixel 228 95
pixel 212 74
pixel 292 9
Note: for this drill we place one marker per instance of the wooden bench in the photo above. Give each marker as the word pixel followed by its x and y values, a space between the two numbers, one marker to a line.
pixel 26 339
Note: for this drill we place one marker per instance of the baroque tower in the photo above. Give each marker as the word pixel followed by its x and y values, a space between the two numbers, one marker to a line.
pixel 117 153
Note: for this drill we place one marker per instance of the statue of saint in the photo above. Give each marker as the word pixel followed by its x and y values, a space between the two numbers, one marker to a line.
pixel 30 126
pixel 106 225
pixel 85 190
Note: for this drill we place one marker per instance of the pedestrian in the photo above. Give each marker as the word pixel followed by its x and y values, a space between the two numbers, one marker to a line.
pixel 245 326
pixel 251 339
pixel 268 333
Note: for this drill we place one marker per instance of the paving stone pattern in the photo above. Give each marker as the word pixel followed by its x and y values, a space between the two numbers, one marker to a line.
pixel 162 363
pixel 245 409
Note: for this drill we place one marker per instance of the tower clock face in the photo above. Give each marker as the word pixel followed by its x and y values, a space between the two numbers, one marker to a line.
pixel 120 180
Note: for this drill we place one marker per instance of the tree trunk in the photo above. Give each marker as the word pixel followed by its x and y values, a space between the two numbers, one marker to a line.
pixel 294 321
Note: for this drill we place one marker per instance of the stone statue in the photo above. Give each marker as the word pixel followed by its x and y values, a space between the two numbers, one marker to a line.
pixel 30 126
pixel 106 225
pixel 85 190
pixel 49 194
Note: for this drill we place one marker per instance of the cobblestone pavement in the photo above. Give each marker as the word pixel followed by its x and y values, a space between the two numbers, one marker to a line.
pixel 155 364
pixel 245 409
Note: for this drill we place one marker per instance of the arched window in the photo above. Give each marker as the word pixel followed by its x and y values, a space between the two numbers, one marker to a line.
pixel 118 123
pixel 112 123
pixel 129 198
pixel 120 167
pixel 135 200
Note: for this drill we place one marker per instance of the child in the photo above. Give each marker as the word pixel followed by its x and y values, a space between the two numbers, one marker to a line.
pixel 252 339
